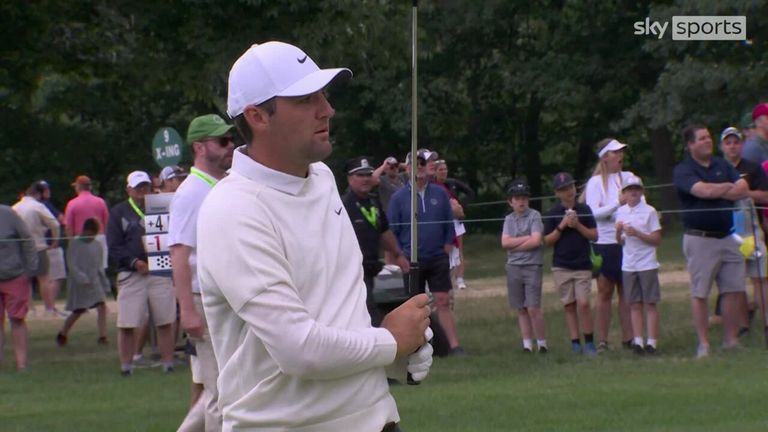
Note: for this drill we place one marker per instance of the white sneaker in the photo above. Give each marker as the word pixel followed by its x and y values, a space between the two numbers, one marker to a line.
pixel 702 351
pixel 460 283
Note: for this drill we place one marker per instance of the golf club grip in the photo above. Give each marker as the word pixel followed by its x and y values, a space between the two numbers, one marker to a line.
pixel 413 289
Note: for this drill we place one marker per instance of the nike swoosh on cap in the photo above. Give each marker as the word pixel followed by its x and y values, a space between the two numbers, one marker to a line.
pixel 302 60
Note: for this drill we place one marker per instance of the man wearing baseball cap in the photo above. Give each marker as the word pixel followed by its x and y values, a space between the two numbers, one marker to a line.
pixel 171 177
pixel 211 140
pixel 435 238
pixel 136 287
pixel 708 187
pixel 281 271
pixel 86 205
pixel 389 180
pixel 746 219
pixel 371 227
pixel 756 146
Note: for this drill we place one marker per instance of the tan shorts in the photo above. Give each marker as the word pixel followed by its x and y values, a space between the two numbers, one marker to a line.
pixel 43 266
pixel 205 371
pixel 56 269
pixel 135 291
pixel 714 260
pixel 572 284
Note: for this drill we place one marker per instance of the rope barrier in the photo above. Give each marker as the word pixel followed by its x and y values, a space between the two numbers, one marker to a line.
pixel 483 220
pixel 548 197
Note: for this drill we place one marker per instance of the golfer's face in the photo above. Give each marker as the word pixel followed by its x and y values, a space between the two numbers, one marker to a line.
pixel 731 147
pixel 701 146
pixel 302 125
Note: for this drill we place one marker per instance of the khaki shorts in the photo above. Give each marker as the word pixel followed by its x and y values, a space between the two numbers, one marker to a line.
pixel 714 260
pixel 205 371
pixel 43 266
pixel 572 284
pixel 135 291
pixel 56 268
pixel 757 267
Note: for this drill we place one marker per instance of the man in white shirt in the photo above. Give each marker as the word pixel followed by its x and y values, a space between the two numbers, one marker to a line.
pixel 211 141
pixel 39 220
pixel 281 272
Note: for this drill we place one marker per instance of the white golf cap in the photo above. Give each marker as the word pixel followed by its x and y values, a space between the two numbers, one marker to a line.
pixel 136 178
pixel 171 172
pixel 632 181
pixel 613 145
pixel 274 69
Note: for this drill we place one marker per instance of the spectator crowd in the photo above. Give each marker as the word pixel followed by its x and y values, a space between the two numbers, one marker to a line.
pixel 608 232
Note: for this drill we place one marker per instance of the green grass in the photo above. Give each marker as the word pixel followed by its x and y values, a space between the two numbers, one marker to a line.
pixel 496 388
pixel 499 388
pixel 485 258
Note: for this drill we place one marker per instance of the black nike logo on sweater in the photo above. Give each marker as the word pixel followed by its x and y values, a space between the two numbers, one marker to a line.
pixel 338 212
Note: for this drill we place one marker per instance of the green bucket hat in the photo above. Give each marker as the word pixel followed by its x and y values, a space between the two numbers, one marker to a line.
pixel 746 121
pixel 205 126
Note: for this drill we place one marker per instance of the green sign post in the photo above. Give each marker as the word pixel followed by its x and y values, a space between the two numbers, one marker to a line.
pixel 167 146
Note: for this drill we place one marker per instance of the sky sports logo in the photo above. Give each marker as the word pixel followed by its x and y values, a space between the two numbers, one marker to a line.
pixel 696 28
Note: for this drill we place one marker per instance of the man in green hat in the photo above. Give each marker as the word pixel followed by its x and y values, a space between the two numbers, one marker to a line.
pixel 211 140
pixel 747 125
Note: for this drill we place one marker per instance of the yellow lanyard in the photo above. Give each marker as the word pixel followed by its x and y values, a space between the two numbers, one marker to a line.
pixel 203 176
pixel 371 215
pixel 136 208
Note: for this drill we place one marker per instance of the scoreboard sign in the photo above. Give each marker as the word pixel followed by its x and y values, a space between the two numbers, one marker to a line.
pixel 156 219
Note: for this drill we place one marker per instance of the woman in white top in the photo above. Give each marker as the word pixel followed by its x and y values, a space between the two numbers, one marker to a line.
pixel 603 195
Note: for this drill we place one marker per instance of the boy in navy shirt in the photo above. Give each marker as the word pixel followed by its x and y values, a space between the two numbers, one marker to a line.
pixel 569 227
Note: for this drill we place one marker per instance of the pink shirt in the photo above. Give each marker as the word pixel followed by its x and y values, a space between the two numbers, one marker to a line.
pixel 83 207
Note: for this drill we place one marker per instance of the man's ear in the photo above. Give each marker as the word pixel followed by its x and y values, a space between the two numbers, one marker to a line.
pixel 257 118
pixel 197 147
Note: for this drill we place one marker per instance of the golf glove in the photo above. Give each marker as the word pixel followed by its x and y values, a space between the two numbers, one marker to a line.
pixel 420 361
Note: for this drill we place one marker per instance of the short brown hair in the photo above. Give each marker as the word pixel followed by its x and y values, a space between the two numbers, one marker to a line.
pixel 689 133
pixel 242 126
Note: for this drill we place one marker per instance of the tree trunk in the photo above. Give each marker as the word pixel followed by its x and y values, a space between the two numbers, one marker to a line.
pixel 531 146
pixel 663 164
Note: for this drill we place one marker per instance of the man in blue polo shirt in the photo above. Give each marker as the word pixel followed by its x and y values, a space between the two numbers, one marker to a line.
pixel 435 238
pixel 708 186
